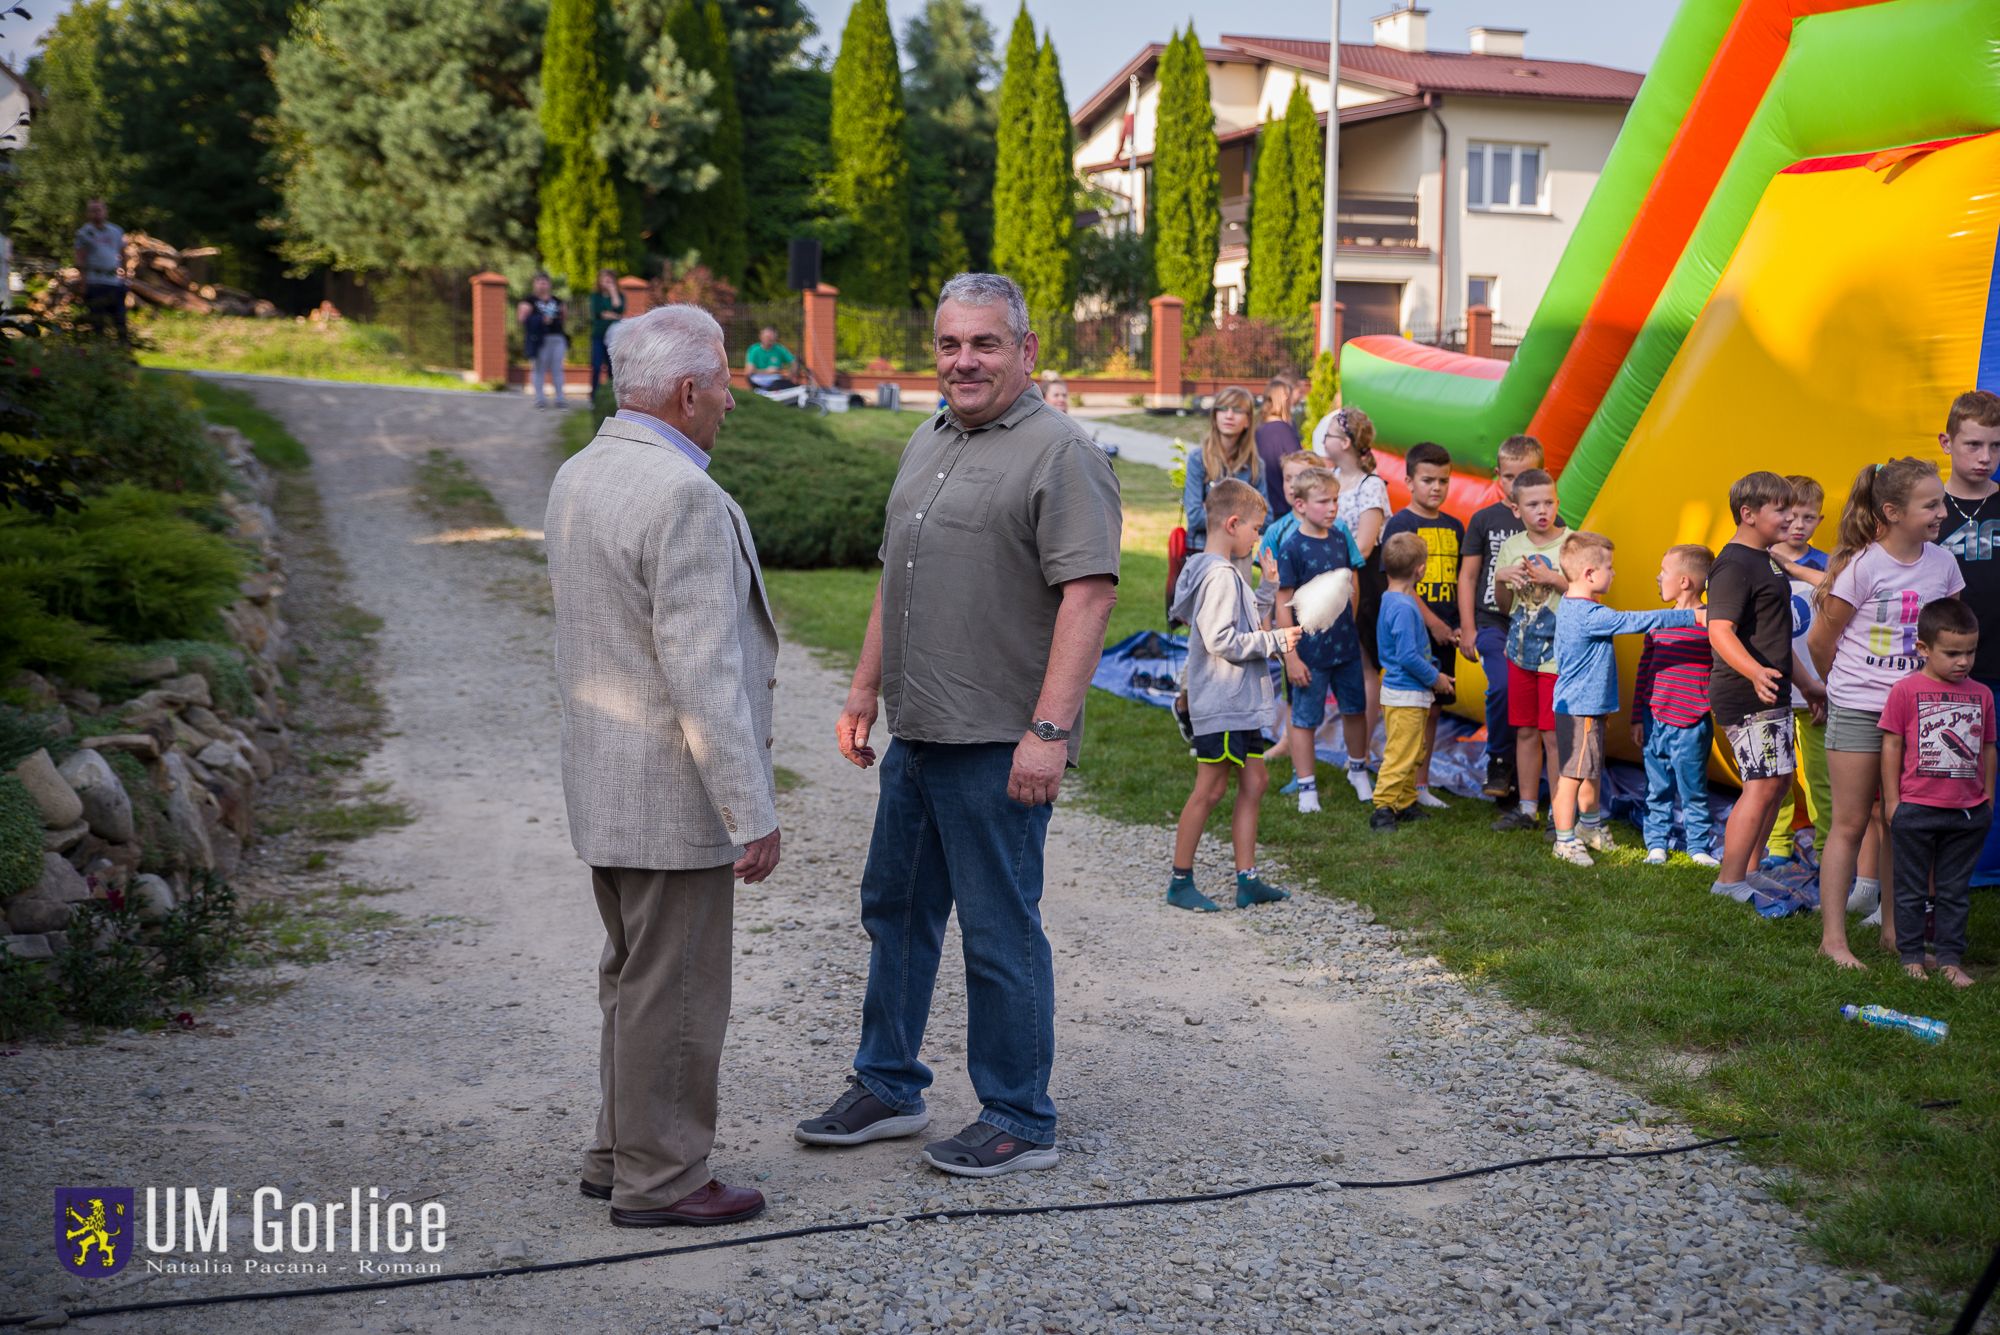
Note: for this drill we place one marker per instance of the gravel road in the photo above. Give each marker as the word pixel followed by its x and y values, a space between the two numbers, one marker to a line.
pixel 454 1058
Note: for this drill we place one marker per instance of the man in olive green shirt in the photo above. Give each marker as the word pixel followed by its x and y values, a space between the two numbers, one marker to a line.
pixel 768 361
pixel 999 572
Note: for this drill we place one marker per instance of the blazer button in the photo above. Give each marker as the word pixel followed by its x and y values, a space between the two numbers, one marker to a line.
pixel 774 683
pixel 767 743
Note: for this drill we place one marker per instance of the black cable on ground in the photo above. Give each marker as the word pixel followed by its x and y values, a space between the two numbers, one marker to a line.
pixel 1982 1293
pixel 860 1225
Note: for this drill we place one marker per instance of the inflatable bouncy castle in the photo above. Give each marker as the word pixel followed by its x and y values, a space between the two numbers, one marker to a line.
pixel 1789 263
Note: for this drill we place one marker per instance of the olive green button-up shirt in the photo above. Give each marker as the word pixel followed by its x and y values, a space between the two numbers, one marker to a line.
pixel 984 527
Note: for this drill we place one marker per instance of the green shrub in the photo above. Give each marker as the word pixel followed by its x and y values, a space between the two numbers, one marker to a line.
pixel 20 838
pixel 106 970
pixel 811 500
pixel 27 999
pixel 200 936
pixel 26 731
pixel 85 398
pixel 130 566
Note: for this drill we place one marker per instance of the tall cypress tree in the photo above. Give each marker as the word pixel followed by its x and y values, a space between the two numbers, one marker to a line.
pixel 1015 153
pixel 949 94
pixel 1307 151
pixel 730 201
pixel 1187 187
pixel 1048 261
pixel 869 185
pixel 579 228
pixel 1272 226
pixel 706 211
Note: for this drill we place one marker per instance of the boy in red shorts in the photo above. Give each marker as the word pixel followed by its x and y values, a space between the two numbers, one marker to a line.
pixel 1528 583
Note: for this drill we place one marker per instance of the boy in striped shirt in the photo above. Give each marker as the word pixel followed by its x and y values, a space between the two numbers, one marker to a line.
pixel 1670 719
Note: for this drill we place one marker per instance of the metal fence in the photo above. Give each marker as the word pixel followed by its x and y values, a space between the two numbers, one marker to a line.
pixel 742 322
pixel 1452 339
pixel 1117 344
pixel 1237 347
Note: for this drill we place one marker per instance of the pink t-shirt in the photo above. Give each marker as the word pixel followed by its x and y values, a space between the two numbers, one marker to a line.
pixel 1879 646
pixel 1944 728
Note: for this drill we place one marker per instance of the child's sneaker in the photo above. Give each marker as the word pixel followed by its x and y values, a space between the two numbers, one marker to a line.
pixel 1573 852
pixel 1182 894
pixel 1426 798
pixel 1308 801
pixel 1256 890
pixel 1499 781
pixel 1382 820
pixel 1364 784
pixel 1516 819
pixel 1656 857
pixel 1183 719
pixel 1596 837
pixel 1704 860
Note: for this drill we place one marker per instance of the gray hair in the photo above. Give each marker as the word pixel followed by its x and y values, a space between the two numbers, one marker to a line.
pixel 652 354
pixel 983 289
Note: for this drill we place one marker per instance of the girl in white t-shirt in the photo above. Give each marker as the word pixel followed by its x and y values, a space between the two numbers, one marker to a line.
pixel 1347 437
pixel 1863 641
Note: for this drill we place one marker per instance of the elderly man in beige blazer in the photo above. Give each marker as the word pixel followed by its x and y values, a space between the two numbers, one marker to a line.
pixel 666 655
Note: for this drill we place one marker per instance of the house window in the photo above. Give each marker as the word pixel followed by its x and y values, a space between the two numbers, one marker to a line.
pixel 1505 178
pixel 1483 292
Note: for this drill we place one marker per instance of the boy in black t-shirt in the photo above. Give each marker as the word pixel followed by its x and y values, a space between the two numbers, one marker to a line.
pixel 1427 471
pixel 1749 692
pixel 1482 626
pixel 1972 534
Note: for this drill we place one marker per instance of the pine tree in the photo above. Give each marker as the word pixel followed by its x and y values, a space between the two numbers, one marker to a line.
pixel 699 207
pixel 948 91
pixel 1307 150
pixel 1272 226
pixel 72 154
pixel 869 185
pixel 730 202
pixel 950 256
pixel 1015 154
pixel 579 227
pixel 786 97
pixel 1187 187
pixel 1048 266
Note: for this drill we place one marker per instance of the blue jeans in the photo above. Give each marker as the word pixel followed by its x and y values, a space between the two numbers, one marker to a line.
pixel 1677 762
pixel 600 363
pixel 947 833
pixel 1492 646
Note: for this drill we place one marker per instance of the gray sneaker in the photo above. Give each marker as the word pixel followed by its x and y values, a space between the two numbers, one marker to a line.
pixel 984 1150
pixel 856 1118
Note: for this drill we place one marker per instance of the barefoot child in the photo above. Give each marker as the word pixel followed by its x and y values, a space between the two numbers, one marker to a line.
pixel 1885 569
pixel 1937 785
pixel 1428 472
pixel 1329 660
pixel 1527 584
pixel 1482 626
pixel 1586 694
pixel 1670 723
pixel 1229 693
pixel 1410 680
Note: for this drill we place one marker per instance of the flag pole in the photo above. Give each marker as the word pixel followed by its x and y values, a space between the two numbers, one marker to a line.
pixel 1329 215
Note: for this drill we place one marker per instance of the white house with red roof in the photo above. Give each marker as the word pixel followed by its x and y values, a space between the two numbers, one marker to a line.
pixel 1461 172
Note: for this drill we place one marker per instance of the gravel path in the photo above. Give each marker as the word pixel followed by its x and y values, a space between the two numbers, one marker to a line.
pixel 455 1058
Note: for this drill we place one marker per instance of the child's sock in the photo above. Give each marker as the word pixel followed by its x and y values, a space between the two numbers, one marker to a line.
pixel 1527 805
pixel 1592 818
pixel 1357 766
pixel 1184 873
pixel 1564 836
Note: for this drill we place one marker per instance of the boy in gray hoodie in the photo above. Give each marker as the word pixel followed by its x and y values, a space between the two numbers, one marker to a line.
pixel 1229 692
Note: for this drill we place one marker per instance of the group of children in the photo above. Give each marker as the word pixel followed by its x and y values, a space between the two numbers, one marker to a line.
pixel 1857 681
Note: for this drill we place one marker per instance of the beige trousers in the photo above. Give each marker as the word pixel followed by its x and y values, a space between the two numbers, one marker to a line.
pixel 664 987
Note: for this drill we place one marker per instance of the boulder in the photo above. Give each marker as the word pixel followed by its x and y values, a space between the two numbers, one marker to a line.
pixel 188 689
pixel 205 719
pixel 60 881
pixel 58 803
pixel 30 914
pixel 223 758
pixel 260 761
pixel 62 841
pixel 40 691
pixel 188 737
pixel 58 941
pixel 82 701
pixel 154 897
pixel 154 669
pixel 33 947
pixel 106 804
pixel 186 799
pixel 140 744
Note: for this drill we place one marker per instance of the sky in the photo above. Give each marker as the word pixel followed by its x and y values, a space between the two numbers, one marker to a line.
pixel 1096 37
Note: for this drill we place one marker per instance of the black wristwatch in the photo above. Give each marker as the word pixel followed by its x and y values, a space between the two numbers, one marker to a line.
pixel 1048 731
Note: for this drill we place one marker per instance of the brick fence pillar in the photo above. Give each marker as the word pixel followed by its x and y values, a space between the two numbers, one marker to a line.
pixel 638 294
pixel 1479 331
pixel 822 310
pixel 489 327
pixel 1339 330
pixel 1167 313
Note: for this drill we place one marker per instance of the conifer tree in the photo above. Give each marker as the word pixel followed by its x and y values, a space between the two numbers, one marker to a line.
pixel 1307 151
pixel 1272 226
pixel 1048 262
pixel 1015 154
pixel 869 185
pixel 580 226
pixel 1187 187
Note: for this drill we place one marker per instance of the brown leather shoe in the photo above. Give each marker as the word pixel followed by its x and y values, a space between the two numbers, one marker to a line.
pixel 597 1191
pixel 712 1204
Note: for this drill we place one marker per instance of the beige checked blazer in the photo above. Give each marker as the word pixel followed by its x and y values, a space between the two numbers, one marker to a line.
pixel 666 655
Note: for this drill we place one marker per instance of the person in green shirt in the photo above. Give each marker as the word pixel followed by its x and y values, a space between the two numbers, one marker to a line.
pixel 768 361
pixel 607 307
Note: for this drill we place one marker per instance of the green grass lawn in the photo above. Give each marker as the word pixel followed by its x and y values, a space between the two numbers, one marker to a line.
pixel 1730 1020
pixel 274 445
pixel 343 350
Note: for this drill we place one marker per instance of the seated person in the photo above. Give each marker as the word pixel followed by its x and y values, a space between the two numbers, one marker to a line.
pixel 769 361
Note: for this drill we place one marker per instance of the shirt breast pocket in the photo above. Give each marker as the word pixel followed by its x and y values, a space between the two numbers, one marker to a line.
pixel 966 503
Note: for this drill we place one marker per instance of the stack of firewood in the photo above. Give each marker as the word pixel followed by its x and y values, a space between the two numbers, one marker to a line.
pixel 156 274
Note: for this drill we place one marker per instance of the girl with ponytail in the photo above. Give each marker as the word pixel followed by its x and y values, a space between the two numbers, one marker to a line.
pixel 1885 567
pixel 1347 438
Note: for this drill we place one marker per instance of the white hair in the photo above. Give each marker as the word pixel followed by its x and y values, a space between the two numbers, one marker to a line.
pixel 983 289
pixel 652 354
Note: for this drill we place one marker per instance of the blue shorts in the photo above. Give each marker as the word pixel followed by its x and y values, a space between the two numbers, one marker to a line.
pixel 1350 694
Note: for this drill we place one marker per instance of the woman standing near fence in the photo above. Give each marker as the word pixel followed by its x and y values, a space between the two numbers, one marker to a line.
pixel 542 338
pixel 1230 451
pixel 607 307
pixel 1277 437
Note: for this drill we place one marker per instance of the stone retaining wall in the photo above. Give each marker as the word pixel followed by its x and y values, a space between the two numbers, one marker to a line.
pixel 202 761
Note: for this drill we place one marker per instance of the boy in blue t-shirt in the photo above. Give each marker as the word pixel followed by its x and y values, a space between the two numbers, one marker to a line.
pixel 1331 659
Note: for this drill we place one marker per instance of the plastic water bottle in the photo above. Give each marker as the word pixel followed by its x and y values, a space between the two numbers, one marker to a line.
pixel 1881 1017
